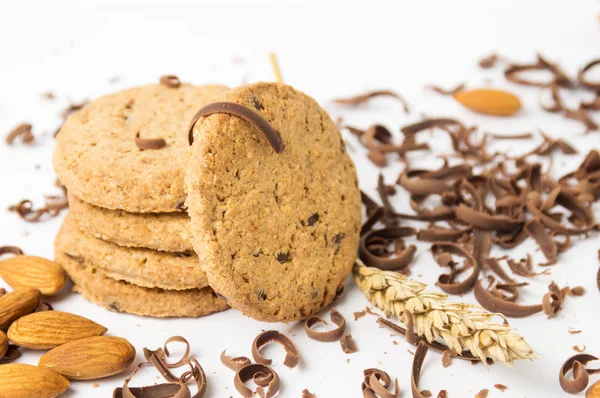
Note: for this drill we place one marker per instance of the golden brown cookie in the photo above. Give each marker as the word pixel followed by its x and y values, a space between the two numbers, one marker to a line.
pixel 125 297
pixel 97 159
pixel 168 232
pixel 142 267
pixel 276 233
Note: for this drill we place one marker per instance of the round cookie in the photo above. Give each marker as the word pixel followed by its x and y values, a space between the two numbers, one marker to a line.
pixel 142 267
pixel 97 159
pixel 169 232
pixel 276 233
pixel 124 297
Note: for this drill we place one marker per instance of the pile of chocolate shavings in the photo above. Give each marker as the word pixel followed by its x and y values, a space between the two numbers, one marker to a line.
pixel 483 200
pixel 559 81
pixel 176 386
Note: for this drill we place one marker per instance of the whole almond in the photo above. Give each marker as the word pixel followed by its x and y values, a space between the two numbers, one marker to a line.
pixel 33 272
pixel 3 344
pixel 489 102
pixel 49 329
pixel 15 304
pixel 25 381
pixel 90 358
pixel 593 391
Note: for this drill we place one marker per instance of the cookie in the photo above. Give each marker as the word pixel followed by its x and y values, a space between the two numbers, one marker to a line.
pixel 97 159
pixel 168 232
pixel 124 297
pixel 142 267
pixel 276 233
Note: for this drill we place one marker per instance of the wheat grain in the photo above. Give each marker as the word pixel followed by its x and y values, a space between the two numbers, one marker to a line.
pixel 459 326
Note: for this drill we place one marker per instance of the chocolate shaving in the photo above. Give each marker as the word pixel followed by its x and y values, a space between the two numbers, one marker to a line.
pixel 171 81
pixel 557 104
pixel 348 344
pixel 376 383
pixel 437 234
pixel 466 355
pixel 523 136
pixel 558 76
pixel 12 353
pixel 446 358
pixel 292 356
pixel 443 91
pixel 164 390
pixel 416 369
pixel 10 250
pixel 582 79
pixel 359 99
pixel 26 211
pixel 331 335
pixel 486 222
pixel 482 393
pixel 552 301
pixel 494 265
pixel 446 281
pixel 149 143
pixel 489 61
pixel 23 131
pixel 538 232
pixel 235 363
pixel 359 314
pixel 581 115
pixel 500 387
pixel 579 349
pixel 372 248
pixel 495 304
pixel 581 377
pixel 231 108
pixel 262 375
pixel 308 394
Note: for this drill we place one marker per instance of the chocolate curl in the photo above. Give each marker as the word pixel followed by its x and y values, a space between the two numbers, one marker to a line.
pixel 360 99
pixel 486 222
pixel 581 115
pixel 235 363
pixel 22 130
pixel 552 301
pixel 331 335
pixel 580 373
pixel 557 104
pixel 262 375
pixel 443 91
pixel 438 234
pixel 494 265
pixel 348 344
pixel 10 250
pixel 420 354
pixel 149 143
pixel 367 251
pixel 231 108
pixel 582 78
pixel 446 281
pixel 538 232
pixel 495 304
pixel 273 336
pixel 376 383
pixel 171 81
pixel 558 76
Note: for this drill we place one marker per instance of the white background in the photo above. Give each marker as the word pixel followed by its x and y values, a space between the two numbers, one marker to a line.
pixel 327 50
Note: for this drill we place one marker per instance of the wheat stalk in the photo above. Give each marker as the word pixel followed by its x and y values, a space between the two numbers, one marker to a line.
pixel 460 326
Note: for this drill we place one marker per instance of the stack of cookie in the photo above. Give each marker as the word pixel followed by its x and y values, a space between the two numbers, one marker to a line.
pixel 126 240
pixel 272 201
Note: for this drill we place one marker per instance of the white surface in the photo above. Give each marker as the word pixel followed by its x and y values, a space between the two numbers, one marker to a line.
pixel 327 51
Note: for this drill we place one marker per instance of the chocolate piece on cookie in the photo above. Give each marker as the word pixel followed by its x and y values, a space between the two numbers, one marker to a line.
pixel 125 297
pixel 98 160
pixel 275 232
pixel 142 267
pixel 169 232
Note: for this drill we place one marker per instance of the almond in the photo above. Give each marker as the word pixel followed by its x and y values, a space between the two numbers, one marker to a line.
pixel 90 358
pixel 489 102
pixel 24 381
pixel 16 304
pixel 49 329
pixel 33 272
pixel 3 343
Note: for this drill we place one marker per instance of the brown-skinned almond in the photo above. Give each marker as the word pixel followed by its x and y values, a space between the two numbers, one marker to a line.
pixel 15 304
pixel 33 272
pixel 3 343
pixel 49 329
pixel 489 101
pixel 25 381
pixel 90 358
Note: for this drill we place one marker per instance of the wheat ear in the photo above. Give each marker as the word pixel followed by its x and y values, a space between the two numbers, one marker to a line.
pixel 460 326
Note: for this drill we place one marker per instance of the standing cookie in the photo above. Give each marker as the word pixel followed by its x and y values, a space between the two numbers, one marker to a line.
pixel 98 158
pixel 274 202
